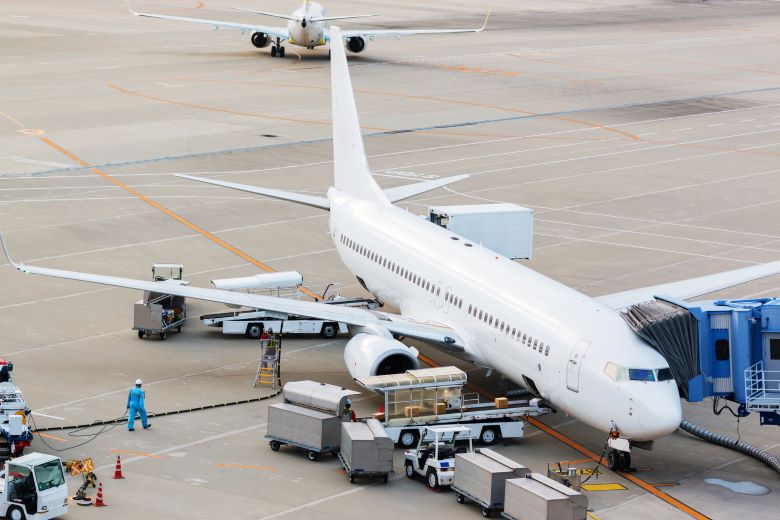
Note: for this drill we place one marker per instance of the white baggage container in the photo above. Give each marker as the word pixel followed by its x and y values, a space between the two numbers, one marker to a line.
pixel 537 497
pixel 320 396
pixel 366 448
pixel 481 476
pixel 310 429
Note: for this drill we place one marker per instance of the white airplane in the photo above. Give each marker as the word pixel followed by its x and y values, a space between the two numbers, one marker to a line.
pixel 574 351
pixel 306 27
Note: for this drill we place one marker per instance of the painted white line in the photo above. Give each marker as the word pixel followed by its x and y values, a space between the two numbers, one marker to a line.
pixel 717 124
pixel 747 120
pixel 324 499
pixel 681 130
pixel 647 133
pixel 48 416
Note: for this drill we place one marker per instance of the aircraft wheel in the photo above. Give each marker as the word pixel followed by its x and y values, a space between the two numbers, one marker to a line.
pixel 281 52
pixel 625 460
pixel 273 51
pixel 613 460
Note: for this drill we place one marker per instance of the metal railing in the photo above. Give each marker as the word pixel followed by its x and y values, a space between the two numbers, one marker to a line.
pixel 762 389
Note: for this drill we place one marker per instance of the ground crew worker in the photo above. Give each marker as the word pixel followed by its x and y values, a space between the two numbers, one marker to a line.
pixel 348 414
pixel 135 404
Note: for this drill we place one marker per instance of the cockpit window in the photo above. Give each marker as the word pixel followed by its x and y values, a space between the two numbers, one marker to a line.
pixel 641 374
pixel 620 373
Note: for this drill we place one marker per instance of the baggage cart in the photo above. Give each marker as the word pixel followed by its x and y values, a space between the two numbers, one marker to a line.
pixel 481 478
pixel 366 450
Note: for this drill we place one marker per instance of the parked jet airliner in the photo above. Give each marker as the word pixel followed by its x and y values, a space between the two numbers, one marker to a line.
pixel 306 27
pixel 574 351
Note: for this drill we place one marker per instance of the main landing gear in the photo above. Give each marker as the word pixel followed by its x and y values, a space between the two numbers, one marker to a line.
pixel 277 49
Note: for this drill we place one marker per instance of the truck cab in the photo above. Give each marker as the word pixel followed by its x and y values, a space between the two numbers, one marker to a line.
pixel 434 456
pixel 33 487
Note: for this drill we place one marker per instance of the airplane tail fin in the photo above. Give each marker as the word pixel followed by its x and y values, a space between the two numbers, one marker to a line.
pixel 350 165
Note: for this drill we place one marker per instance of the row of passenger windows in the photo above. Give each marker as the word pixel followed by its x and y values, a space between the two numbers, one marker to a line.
pixel 455 301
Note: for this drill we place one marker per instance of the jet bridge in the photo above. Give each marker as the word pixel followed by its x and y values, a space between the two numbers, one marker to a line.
pixel 727 349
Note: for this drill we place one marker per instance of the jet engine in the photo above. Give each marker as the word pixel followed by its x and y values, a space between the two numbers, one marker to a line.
pixel 260 40
pixel 368 355
pixel 356 44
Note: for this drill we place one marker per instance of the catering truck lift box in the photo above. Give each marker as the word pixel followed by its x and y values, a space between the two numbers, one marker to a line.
pixel 310 417
pixel 33 486
pixel 160 312
pixel 504 228
pixel 366 449
pixel 481 476
pixel 537 497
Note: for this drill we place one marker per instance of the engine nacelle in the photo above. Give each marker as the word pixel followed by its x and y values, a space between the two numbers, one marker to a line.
pixel 260 40
pixel 356 44
pixel 368 355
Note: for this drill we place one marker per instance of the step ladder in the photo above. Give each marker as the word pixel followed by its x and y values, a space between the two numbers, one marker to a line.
pixel 268 368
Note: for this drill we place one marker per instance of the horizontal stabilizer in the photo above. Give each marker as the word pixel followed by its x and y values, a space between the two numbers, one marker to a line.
pixel 410 190
pixel 332 18
pixel 263 13
pixel 306 200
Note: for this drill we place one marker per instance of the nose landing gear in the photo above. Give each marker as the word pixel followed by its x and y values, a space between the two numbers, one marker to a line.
pixel 618 460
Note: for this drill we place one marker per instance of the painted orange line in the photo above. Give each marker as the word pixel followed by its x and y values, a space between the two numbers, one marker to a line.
pixel 592 456
pixel 137 453
pixel 11 119
pixel 165 210
pixel 52 437
pixel 244 466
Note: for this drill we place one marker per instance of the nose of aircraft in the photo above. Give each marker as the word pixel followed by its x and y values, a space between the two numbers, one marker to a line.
pixel 660 411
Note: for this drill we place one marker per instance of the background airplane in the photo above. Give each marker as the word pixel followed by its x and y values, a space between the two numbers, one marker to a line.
pixel 574 351
pixel 306 27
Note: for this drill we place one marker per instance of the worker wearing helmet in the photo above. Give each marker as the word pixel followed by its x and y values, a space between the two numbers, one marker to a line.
pixel 135 405
pixel 348 414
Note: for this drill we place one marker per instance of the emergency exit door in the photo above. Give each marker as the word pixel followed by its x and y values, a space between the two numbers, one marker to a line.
pixel 575 364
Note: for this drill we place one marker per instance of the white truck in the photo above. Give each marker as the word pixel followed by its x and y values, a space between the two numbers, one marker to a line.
pixel 33 487
pixel 434 456
pixel 417 399
pixel 15 433
pixel 252 323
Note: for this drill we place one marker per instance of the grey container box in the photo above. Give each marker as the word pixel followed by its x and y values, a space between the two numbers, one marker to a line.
pixel 366 447
pixel 483 473
pixel 304 427
pixel 537 497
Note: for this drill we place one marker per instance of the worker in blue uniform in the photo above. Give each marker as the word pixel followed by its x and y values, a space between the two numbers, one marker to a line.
pixel 135 405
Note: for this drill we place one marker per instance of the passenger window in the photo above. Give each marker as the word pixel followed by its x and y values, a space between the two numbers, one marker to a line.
pixel 547 350
pixel 536 342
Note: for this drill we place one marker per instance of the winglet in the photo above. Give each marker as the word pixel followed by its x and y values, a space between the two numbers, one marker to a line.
pixel 8 255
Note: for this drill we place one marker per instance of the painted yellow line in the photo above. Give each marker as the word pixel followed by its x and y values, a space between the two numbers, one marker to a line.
pixel 165 210
pixel 244 466
pixel 11 119
pixel 591 515
pixel 137 454
pixel 52 437
pixel 604 487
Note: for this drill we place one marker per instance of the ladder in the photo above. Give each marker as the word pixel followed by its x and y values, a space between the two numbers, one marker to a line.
pixel 268 368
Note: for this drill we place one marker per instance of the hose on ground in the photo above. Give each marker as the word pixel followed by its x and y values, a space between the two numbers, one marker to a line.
pixel 733 444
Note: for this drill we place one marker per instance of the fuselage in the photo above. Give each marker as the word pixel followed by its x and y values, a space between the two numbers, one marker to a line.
pixel 570 349
pixel 304 32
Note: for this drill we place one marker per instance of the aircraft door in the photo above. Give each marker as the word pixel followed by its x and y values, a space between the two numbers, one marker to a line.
pixel 772 361
pixel 575 364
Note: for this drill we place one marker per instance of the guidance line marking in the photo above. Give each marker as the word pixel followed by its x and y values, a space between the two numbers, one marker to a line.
pixel 165 210
pixel 585 451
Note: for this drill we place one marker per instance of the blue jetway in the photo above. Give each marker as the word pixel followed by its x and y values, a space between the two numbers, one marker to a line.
pixel 726 349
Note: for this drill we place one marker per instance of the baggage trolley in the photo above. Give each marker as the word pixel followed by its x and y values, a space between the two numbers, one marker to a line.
pixel 313 453
pixel 354 473
pixel 487 509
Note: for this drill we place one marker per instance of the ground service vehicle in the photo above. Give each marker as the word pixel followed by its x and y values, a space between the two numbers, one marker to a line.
pixel 33 486
pixel 434 456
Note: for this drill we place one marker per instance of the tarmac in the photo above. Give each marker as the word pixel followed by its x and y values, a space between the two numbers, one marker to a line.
pixel 645 136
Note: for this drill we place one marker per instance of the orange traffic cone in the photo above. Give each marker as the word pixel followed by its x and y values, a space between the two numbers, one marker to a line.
pixel 99 499
pixel 118 470
pixel 381 409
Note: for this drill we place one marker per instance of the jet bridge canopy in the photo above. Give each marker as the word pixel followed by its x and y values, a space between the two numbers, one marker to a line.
pixel 673 331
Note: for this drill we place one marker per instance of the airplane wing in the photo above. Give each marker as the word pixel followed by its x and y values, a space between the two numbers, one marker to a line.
pixel 692 287
pixel 279 32
pixel 378 33
pixel 372 320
